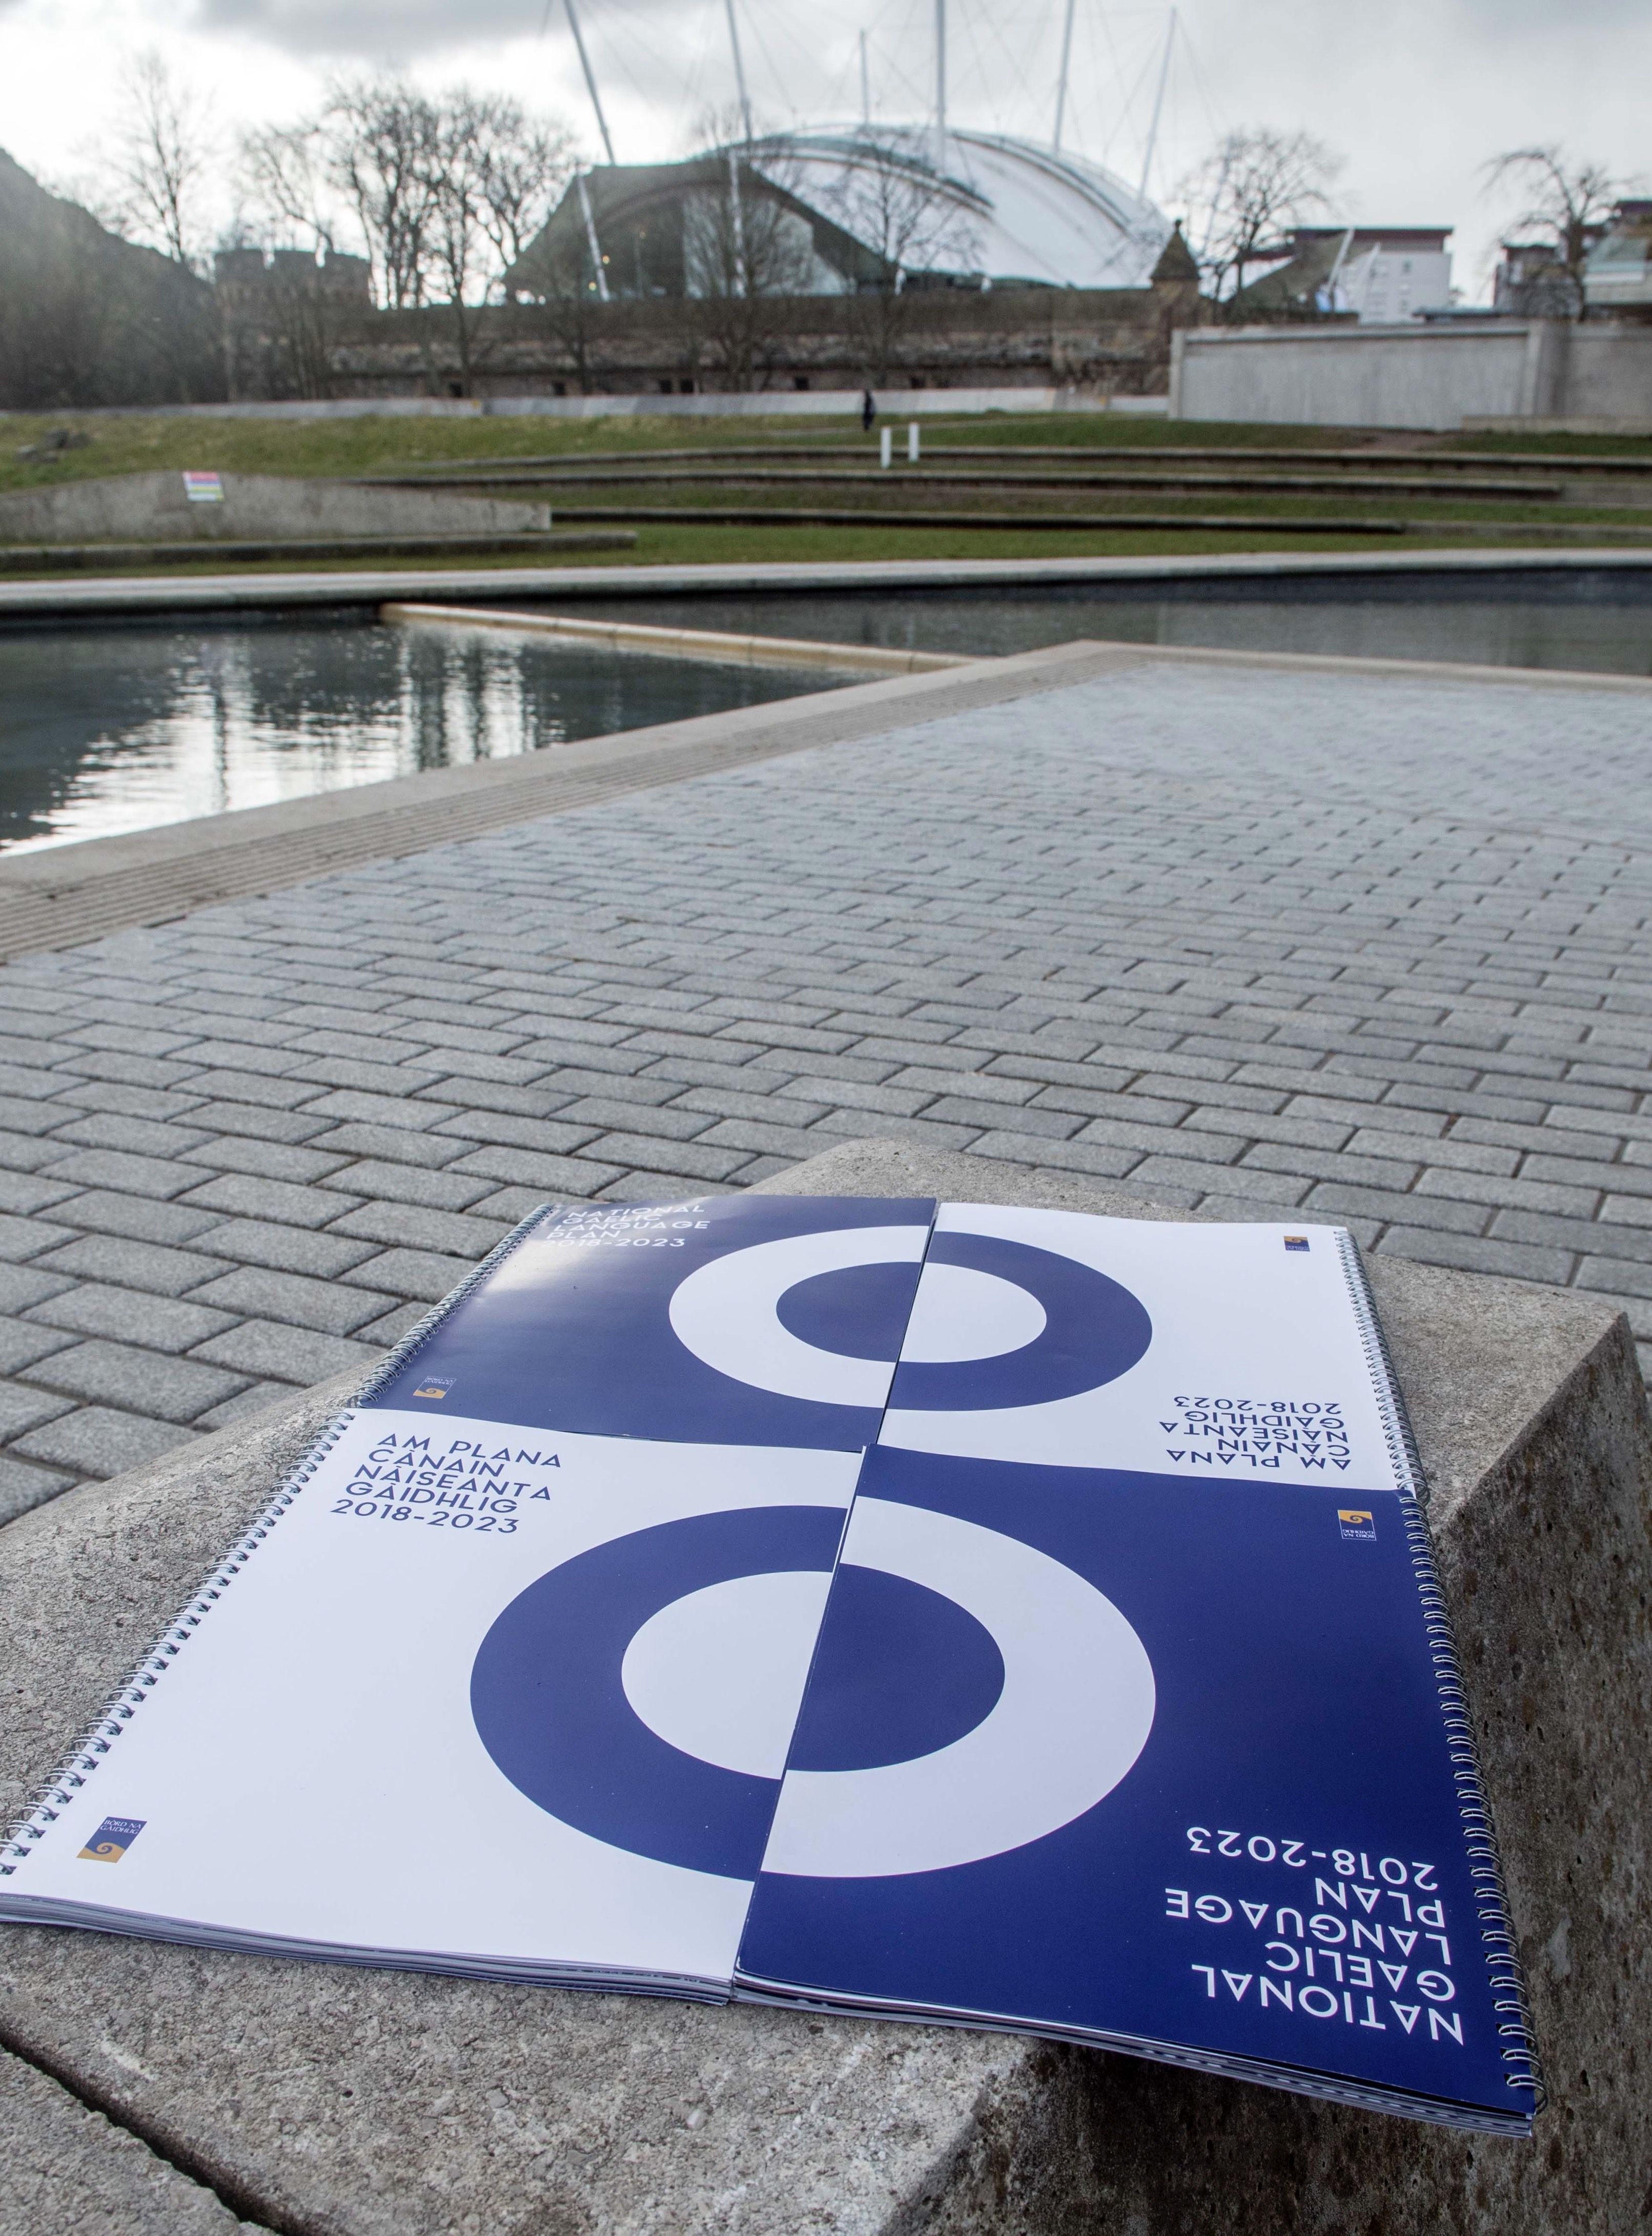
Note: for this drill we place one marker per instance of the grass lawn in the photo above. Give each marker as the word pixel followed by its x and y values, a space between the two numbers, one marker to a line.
pixel 690 545
pixel 120 444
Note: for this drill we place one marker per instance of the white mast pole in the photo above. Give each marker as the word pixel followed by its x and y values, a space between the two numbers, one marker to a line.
pixel 1158 109
pixel 940 85
pixel 740 72
pixel 866 84
pixel 590 78
pixel 1066 56
pixel 590 236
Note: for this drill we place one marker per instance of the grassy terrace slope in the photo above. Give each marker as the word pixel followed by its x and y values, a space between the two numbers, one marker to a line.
pixel 654 467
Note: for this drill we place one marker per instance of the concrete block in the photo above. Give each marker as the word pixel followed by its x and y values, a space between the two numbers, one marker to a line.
pixel 286 1249
pixel 476 2108
pixel 22 1487
pixel 410 1226
pixel 243 1195
pixel 269 1161
pixel 98 1441
pixel 422 1274
pixel 27 1237
pixel 68 2167
pixel 21 1409
pixel 158 1323
pixel 260 1293
pixel 131 1176
pixel 393 1145
pixel 139 1218
pixel 286 1354
pixel 21 1343
pixel 119 1374
pixel 127 1264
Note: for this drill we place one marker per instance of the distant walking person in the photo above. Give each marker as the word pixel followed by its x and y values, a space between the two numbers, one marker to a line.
pixel 868 411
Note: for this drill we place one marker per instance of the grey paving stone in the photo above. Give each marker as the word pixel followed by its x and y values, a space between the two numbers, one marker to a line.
pixel 1472 1253
pixel 260 1293
pixel 22 1487
pixel 139 1381
pixel 257 1399
pixel 255 1088
pixel 270 1161
pixel 410 1226
pixel 125 1264
pixel 347 1107
pixel 284 1353
pixel 29 1191
pixel 157 1323
pixel 394 1326
pixel 421 1273
pixel 244 1195
pixel 96 1441
pixel 22 1285
pixel 147 1137
pixel 22 1342
pixel 286 1249
pixel 259 1124
pixel 22 1408
pixel 27 1237
pixel 1331 979
pixel 161 1177
pixel 390 1145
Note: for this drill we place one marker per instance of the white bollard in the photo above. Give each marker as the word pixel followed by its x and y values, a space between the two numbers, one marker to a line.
pixel 912 441
pixel 884 445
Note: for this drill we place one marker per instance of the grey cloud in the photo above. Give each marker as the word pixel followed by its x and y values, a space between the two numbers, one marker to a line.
pixel 374 29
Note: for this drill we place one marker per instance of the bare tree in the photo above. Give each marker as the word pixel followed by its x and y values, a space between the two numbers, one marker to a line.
pixel 747 249
pixel 377 140
pixel 893 205
pixel 525 163
pixel 1247 196
pixel 158 162
pixel 283 187
pixel 1568 202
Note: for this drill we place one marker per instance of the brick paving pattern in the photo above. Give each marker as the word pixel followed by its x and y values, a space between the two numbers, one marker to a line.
pixel 1373 949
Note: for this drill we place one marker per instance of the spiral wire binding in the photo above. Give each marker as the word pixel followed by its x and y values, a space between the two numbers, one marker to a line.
pixel 1391 1404
pixel 1507 1975
pixel 43 1803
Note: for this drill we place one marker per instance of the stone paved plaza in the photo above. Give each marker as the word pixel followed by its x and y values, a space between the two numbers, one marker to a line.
pixel 1372 948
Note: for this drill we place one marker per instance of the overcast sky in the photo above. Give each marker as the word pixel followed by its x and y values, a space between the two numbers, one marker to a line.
pixel 1416 93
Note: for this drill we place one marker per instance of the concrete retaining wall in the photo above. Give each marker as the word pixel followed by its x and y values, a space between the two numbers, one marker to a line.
pixel 152 509
pixel 1412 375
pixel 321 2099
pixel 822 403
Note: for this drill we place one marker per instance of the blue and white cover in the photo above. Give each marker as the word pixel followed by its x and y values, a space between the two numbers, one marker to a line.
pixel 1006 1616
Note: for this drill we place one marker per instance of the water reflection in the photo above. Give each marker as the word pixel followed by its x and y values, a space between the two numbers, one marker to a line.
pixel 1582 618
pixel 108 729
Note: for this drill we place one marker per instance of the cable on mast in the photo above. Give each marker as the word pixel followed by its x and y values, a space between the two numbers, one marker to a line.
pixel 1158 109
pixel 590 78
pixel 1060 88
pixel 740 73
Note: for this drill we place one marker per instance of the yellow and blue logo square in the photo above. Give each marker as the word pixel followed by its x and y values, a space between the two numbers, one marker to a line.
pixel 1357 1522
pixel 112 1839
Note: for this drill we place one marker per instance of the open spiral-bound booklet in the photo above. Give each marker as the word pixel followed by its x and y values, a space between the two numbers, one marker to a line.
pixel 1006 1618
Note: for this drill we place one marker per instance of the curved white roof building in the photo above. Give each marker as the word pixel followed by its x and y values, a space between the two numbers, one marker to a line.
pixel 1020 211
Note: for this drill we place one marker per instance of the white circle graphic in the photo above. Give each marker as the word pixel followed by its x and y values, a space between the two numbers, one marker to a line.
pixel 725 1314
pixel 721 1672
pixel 961 1315
pixel 1075 1710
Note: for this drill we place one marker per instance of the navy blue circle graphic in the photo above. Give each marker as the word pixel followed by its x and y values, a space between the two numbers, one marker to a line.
pixel 859 1311
pixel 899 1671
pixel 1094 1331
pixel 550 1707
